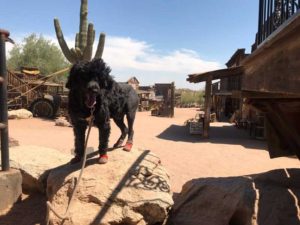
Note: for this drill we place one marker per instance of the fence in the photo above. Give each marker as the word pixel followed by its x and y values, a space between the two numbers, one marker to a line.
pixel 273 13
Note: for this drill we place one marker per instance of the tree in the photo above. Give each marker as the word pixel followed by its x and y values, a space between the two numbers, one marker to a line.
pixel 38 52
pixel 189 97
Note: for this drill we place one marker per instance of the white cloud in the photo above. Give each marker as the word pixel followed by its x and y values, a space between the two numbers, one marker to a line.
pixel 124 53
pixel 9 46
pixel 128 57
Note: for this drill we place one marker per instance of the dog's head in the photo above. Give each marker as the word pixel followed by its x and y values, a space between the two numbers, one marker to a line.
pixel 90 78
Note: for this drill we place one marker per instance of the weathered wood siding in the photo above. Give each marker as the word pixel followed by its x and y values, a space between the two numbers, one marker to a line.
pixel 275 65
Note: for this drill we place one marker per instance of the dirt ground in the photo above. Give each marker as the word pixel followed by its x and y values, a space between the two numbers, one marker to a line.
pixel 228 152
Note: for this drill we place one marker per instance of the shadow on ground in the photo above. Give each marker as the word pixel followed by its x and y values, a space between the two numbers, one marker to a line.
pixel 30 211
pixel 219 134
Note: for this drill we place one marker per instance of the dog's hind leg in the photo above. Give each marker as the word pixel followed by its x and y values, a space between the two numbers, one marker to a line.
pixel 130 119
pixel 124 131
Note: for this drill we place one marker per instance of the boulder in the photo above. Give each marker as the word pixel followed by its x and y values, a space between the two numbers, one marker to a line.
pixel 10 189
pixel 19 114
pixel 269 198
pixel 35 163
pixel 132 188
pixel 62 122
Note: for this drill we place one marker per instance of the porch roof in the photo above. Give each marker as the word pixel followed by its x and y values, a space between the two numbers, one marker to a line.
pixel 215 74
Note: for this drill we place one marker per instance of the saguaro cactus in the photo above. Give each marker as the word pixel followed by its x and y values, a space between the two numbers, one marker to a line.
pixel 84 40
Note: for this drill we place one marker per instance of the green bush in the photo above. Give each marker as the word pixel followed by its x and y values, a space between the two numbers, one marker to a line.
pixel 190 97
pixel 38 52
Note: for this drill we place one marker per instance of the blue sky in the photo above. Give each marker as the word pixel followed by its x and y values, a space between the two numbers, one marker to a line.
pixel 154 40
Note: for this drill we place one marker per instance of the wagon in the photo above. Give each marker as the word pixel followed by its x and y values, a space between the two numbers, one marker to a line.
pixel 27 89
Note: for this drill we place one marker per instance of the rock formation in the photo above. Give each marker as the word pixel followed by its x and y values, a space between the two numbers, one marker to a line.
pixel 270 198
pixel 132 188
pixel 35 163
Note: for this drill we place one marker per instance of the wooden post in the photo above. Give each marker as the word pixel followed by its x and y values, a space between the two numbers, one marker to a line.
pixel 172 99
pixel 207 104
pixel 3 103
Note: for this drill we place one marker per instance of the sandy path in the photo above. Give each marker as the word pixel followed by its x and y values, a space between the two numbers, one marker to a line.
pixel 228 152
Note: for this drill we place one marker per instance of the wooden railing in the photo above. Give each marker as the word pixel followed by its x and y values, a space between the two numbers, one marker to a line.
pixel 18 85
pixel 272 14
pixel 16 82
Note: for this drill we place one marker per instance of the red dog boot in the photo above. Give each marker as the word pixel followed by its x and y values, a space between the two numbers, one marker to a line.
pixel 128 146
pixel 103 159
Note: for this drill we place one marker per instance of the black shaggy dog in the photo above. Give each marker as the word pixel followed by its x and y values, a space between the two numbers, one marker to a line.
pixel 91 85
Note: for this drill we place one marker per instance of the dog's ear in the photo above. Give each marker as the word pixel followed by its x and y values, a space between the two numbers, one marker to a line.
pixel 71 77
pixel 77 70
pixel 99 67
pixel 108 83
pixel 69 82
pixel 106 78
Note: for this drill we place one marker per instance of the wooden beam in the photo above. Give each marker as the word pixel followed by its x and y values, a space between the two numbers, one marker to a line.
pixel 287 130
pixel 207 107
pixel 216 74
pixel 263 95
pixel 172 98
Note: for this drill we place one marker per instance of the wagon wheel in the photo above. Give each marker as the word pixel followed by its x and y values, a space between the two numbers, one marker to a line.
pixel 42 108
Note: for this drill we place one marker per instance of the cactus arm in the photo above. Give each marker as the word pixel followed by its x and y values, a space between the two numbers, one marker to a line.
pixel 63 45
pixel 100 47
pixel 76 52
pixel 84 40
pixel 87 54
pixel 83 24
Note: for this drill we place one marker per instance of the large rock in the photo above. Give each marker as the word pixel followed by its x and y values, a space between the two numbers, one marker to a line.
pixel 132 189
pixel 270 198
pixel 35 163
pixel 10 188
pixel 62 122
pixel 19 114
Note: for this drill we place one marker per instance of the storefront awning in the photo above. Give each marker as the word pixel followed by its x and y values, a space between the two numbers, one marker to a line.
pixel 216 74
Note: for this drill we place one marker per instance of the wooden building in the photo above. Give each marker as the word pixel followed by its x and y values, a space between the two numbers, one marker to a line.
pixel 165 99
pixel 147 97
pixel 160 99
pixel 133 81
pixel 270 76
pixel 224 104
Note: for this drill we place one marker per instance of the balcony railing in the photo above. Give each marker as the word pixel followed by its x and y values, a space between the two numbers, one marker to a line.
pixel 273 13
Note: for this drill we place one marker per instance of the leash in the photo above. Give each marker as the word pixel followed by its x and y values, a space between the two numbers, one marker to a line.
pixel 66 216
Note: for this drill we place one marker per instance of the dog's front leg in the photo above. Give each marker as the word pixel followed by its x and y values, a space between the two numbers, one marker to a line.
pixel 104 132
pixel 79 132
pixel 79 129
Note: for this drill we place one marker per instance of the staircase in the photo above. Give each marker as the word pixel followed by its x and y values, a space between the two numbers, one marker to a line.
pixel 16 87
pixel 11 94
